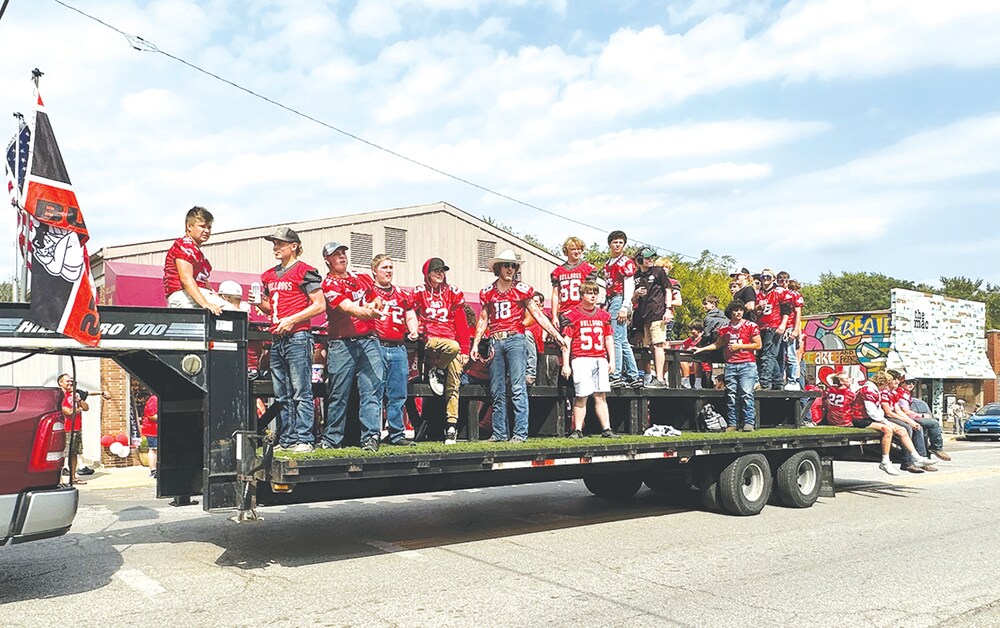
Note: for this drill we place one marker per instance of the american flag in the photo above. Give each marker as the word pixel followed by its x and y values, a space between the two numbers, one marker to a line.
pixel 16 167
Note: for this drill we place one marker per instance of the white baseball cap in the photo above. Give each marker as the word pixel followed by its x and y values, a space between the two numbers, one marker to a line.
pixel 231 288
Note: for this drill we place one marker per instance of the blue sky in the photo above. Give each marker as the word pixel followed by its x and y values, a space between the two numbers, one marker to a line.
pixel 813 135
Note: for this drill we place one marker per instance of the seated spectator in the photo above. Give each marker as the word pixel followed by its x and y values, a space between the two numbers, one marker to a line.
pixel 903 395
pixel 590 342
pixel 186 269
pixel 738 340
pixel 916 431
pixel 870 412
pixel 691 371
pixel 232 293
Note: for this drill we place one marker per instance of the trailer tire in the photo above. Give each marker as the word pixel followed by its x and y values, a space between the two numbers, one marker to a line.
pixel 707 481
pixel 745 485
pixel 618 487
pixel 798 480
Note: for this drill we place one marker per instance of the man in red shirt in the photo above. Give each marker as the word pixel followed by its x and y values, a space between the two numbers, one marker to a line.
pixel 149 429
pixel 353 350
pixel 292 297
pixel 870 408
pixel 186 269
pixel 738 340
pixel 931 428
pixel 773 312
pixel 587 330
pixel 568 277
pixel 789 355
pixel 440 309
pixel 398 321
pixel 504 303
pixel 619 272
pixel 73 405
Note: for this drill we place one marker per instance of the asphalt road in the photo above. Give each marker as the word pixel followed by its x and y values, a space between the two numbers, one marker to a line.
pixel 908 551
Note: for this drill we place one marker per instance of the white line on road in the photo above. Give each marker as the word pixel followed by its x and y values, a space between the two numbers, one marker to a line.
pixel 139 581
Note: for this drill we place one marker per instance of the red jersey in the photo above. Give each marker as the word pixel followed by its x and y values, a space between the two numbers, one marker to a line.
pixel 586 331
pixel 796 298
pixel 289 290
pixel 336 290
pixel 441 312
pixel 903 398
pixel 396 302
pixel 72 423
pixel 615 271
pixel 769 307
pixel 506 309
pixel 840 406
pixel 887 396
pixel 741 333
pixel 148 427
pixel 185 249
pixel 868 392
pixel 568 280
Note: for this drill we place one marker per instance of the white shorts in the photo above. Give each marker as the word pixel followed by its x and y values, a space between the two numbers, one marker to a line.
pixel 590 375
pixel 183 299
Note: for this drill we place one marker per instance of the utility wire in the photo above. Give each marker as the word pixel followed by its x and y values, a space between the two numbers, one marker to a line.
pixel 3 8
pixel 142 45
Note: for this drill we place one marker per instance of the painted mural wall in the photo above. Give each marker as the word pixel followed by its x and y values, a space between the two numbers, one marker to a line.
pixel 857 342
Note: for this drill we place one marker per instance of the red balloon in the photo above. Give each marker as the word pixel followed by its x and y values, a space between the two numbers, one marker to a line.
pixel 121 438
pixel 106 440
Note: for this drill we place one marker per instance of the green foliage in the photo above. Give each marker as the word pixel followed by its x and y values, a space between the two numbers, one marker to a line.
pixel 860 292
pixel 709 274
pixel 6 292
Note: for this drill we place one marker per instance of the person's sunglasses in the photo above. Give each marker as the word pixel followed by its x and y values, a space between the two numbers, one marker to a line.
pixel 767 276
pixel 510 265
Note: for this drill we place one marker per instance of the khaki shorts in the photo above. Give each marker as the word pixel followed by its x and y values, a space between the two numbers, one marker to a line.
pixel 655 333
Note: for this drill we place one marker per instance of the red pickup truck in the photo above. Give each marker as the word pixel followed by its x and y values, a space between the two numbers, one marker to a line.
pixel 33 502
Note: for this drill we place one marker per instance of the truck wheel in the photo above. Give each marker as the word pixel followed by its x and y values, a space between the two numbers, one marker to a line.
pixel 798 480
pixel 707 480
pixel 745 485
pixel 614 487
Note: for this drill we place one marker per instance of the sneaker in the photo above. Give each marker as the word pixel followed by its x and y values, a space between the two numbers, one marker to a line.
pixel 85 471
pixel 731 428
pixel 494 439
pixel 529 380
pixel 301 448
pixel 941 455
pixel 808 424
pixel 370 445
pixel 637 383
pixel 65 471
pixel 518 439
pixel 685 383
pixel 403 442
pixel 576 434
pixel 451 435
pixel 609 434
pixel 748 427
pixel 616 381
pixel 325 445
pixel 152 474
pixel 912 468
pixel 923 462
pixel 657 383
pixel 792 386
pixel 436 381
pixel 888 468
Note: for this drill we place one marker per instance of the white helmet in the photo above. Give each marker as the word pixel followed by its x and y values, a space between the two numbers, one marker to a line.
pixel 231 288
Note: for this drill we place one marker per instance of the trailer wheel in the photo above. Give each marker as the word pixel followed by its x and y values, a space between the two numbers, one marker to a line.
pixel 745 485
pixel 618 487
pixel 798 480
pixel 706 479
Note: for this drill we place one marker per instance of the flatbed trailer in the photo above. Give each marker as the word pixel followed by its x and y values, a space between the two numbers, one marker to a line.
pixel 212 444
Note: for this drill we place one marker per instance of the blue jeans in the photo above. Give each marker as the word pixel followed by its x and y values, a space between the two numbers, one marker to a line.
pixel 623 350
pixel 740 380
pixel 916 437
pixel 397 372
pixel 771 377
pixel 531 349
pixel 932 432
pixel 791 359
pixel 509 360
pixel 291 373
pixel 349 359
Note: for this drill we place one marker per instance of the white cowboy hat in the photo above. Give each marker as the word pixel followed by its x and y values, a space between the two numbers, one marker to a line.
pixel 507 256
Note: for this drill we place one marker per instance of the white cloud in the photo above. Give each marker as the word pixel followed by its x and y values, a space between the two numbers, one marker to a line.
pixel 152 104
pixel 375 18
pixel 726 172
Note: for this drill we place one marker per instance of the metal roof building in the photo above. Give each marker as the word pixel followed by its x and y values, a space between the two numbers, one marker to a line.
pixel 410 235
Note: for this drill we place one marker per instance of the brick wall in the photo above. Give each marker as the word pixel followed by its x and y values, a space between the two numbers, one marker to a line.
pixel 990 391
pixel 114 411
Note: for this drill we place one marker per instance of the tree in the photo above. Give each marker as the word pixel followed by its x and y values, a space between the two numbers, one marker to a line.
pixel 699 278
pixel 851 292
pixel 6 292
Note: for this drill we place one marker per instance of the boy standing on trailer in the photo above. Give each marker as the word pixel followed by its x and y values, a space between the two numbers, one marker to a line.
pixel 619 272
pixel 504 302
pixel 738 340
pixel 590 341
pixel 568 277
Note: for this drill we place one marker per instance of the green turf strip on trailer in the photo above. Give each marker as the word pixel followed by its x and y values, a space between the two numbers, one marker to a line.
pixel 543 443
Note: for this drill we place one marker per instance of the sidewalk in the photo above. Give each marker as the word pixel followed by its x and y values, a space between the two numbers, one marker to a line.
pixel 115 477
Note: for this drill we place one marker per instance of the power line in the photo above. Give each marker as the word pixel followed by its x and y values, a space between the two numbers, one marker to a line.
pixel 3 8
pixel 142 45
